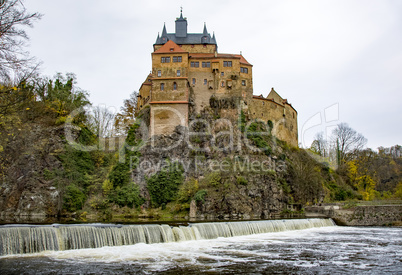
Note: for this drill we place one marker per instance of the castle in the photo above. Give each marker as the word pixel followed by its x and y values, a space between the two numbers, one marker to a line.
pixel 189 76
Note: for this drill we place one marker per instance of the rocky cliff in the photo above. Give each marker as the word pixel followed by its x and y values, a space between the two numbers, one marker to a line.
pixel 26 190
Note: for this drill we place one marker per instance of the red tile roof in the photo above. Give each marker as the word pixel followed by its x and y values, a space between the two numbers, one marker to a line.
pixel 244 61
pixel 220 55
pixel 169 47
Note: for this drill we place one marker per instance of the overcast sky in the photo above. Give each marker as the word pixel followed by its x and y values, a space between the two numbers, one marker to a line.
pixel 334 60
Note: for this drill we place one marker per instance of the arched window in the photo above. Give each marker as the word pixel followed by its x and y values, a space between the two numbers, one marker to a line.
pixel 162 86
pixel 174 86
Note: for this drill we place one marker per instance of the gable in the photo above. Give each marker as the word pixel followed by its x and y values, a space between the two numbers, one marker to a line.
pixel 170 47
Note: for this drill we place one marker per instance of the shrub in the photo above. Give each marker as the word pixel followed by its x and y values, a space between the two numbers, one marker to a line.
pixel 270 125
pixel 128 195
pixel 187 190
pixel 213 179
pixel 163 186
pixel 74 198
pixel 241 180
pixel 259 140
pixel 120 175
pixel 200 196
pixel 107 186
pixel 242 125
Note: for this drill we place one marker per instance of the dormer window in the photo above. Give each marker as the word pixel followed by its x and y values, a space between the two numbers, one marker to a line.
pixel 171 49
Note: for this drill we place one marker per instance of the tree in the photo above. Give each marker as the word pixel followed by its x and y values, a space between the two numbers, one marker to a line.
pixel 305 178
pixel 60 94
pixel 347 142
pixel 319 145
pixel 101 121
pixel 126 117
pixel 13 19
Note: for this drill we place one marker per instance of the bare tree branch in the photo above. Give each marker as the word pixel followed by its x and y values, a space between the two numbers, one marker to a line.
pixel 13 58
pixel 347 142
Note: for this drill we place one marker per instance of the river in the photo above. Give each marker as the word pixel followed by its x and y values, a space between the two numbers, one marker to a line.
pixel 323 250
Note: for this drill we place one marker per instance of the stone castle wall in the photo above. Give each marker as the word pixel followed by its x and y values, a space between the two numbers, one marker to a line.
pixel 283 116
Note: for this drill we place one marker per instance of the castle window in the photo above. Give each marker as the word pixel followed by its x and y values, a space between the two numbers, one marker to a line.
pixel 159 73
pixel 244 70
pixel 193 81
pixel 243 83
pixel 178 72
pixel 165 59
pixel 205 82
pixel 222 73
pixel 174 86
pixel 177 59
pixel 263 103
pixel 227 63
pixel 195 64
pixel 223 84
pixel 162 86
pixel 206 64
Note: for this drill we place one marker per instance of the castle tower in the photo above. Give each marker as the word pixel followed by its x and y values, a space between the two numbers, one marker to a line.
pixel 190 77
pixel 181 26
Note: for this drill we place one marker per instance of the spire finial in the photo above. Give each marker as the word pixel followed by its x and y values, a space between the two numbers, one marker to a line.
pixel 205 32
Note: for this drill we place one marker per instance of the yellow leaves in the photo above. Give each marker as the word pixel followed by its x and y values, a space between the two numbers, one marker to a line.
pixel 352 167
pixel 361 180
pixel 27 108
pixel 366 187
pixel 107 186
pixel 1 149
pixel 398 190
pixel 14 88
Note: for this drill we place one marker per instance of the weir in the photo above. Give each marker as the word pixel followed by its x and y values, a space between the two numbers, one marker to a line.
pixel 20 239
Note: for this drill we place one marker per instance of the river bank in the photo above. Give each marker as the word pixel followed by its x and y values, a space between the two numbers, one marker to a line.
pixel 369 214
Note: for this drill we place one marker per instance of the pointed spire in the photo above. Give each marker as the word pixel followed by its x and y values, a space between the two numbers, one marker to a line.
pixel 164 32
pixel 213 39
pixel 181 12
pixel 157 39
pixel 205 33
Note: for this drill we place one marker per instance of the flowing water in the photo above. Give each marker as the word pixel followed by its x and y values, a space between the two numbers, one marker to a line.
pixel 313 246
